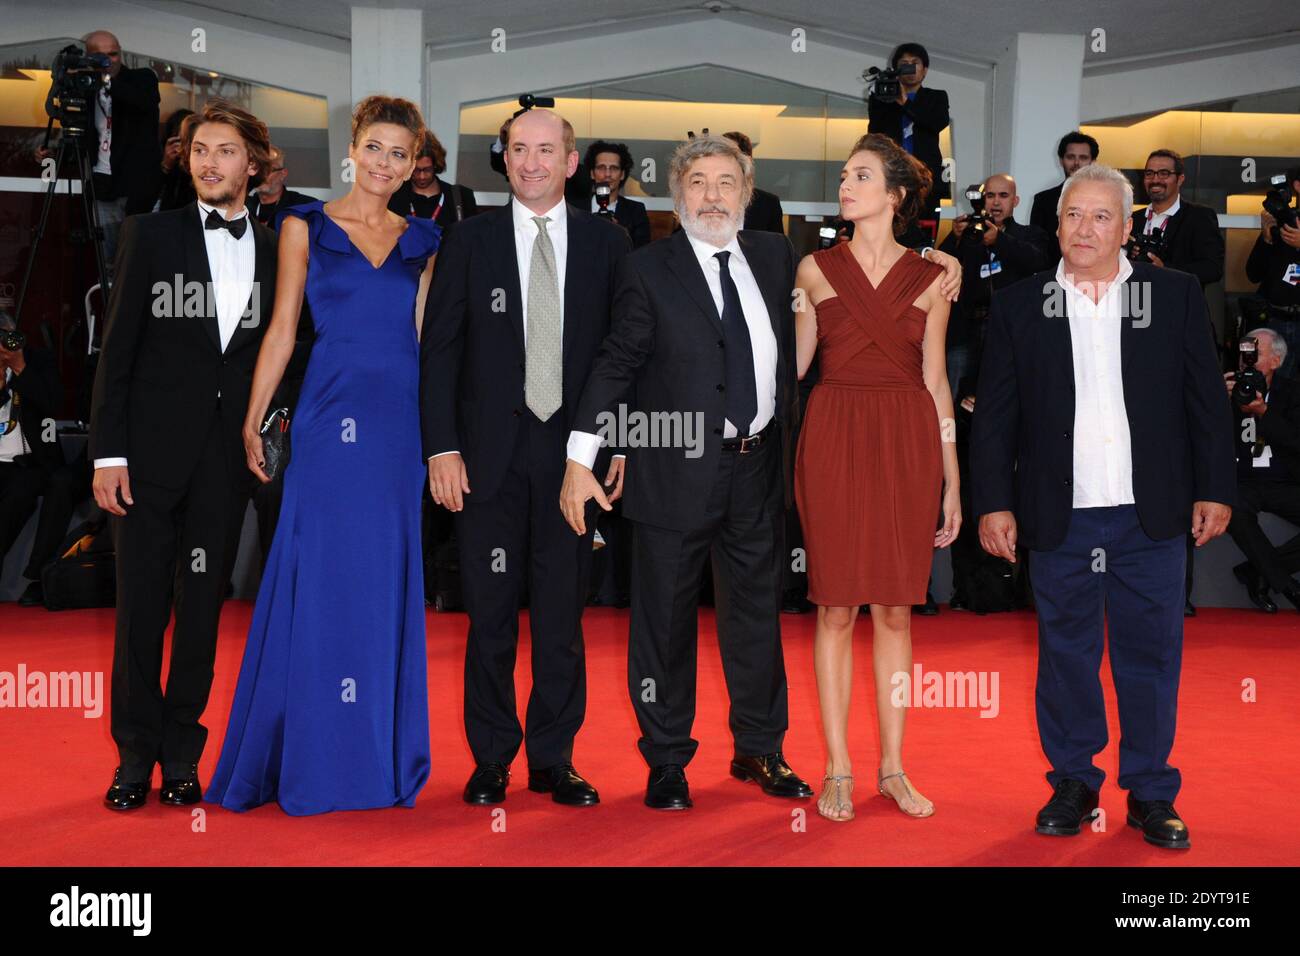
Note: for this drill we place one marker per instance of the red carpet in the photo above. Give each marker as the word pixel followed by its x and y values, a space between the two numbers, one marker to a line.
pixel 985 775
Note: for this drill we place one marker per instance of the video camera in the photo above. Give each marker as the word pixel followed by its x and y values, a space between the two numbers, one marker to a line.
pixel 885 85
pixel 75 79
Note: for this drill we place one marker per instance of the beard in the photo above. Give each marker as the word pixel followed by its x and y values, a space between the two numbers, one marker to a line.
pixel 705 230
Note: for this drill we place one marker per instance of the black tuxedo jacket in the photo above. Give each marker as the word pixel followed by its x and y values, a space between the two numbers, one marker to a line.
pixel 1043 214
pixel 764 212
pixel 1180 421
pixel 39 397
pixel 472 339
pixel 156 385
pixel 632 216
pixel 1193 242
pixel 929 114
pixel 665 351
pixel 135 155
pixel 1279 427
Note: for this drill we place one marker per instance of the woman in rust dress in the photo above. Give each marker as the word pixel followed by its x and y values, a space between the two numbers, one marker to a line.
pixel 872 474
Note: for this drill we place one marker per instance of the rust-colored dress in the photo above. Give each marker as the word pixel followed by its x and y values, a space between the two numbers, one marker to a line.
pixel 869 472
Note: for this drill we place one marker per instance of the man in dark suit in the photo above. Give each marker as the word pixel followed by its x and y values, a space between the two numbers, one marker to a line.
pixel 518 306
pixel 1192 240
pixel 610 164
pixel 30 396
pixel 1268 474
pixel 1075 150
pixel 125 153
pixel 1101 434
pixel 764 210
pixel 915 119
pixel 272 196
pixel 185 318
pixel 703 337
pixel 427 195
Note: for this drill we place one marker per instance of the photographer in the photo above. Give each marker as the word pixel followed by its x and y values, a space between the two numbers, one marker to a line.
pixel 1185 236
pixel 124 150
pixel 995 251
pixel 915 119
pixel 1275 264
pixel 1074 151
pixel 29 450
pixel 427 196
pixel 271 194
pixel 609 165
pixel 1268 465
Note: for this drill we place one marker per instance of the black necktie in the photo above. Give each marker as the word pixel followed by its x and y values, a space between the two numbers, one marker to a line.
pixel 742 394
pixel 216 221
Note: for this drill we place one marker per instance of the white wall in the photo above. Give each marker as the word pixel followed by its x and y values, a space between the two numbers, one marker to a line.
pixel 454 80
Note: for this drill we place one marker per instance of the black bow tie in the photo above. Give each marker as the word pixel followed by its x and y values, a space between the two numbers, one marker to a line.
pixel 216 221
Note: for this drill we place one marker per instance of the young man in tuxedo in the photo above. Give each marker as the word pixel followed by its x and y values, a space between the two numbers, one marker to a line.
pixel 1074 151
pixel 518 306
pixel 191 300
pixel 703 328
pixel 1101 435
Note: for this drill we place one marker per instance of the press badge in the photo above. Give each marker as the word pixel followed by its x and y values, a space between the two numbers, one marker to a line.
pixel 992 268
pixel 1292 276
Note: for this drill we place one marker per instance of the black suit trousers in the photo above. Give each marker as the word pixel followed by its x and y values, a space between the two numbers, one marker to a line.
pixel 743 529
pixel 173 543
pixel 519 537
pixel 1281 498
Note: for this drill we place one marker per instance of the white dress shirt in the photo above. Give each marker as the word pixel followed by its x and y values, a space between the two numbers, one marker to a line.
pixel 1103 451
pixel 11 445
pixel 584 446
pixel 1156 220
pixel 233 264
pixel 525 235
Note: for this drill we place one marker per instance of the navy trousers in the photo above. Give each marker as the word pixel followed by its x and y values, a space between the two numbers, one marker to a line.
pixel 1109 575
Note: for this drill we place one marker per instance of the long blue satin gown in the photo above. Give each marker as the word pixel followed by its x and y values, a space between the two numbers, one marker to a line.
pixel 331 708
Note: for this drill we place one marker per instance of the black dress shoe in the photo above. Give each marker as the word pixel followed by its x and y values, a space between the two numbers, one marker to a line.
pixel 772 773
pixel 1070 806
pixel 33 596
pixel 487 784
pixel 929 609
pixel 1159 822
pixel 183 789
pixel 127 794
pixel 958 603
pixel 1292 594
pixel 667 789
pixel 1256 589
pixel 564 784
pixel 1189 609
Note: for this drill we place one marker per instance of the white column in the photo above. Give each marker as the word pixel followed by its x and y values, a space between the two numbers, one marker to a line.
pixel 1036 102
pixel 387 53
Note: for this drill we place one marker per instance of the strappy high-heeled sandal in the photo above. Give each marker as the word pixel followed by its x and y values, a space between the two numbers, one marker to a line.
pixel 880 785
pixel 840 804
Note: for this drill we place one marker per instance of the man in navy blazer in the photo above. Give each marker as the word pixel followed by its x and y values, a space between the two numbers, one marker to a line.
pixel 517 309
pixel 1102 434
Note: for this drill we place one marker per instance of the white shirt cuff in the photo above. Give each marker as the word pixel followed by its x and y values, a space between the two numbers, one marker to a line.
pixel 583 448
pixel 110 462
pixel 441 453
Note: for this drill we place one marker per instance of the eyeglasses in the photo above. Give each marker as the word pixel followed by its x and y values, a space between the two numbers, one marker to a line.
pixel 607 169
pixel 1158 174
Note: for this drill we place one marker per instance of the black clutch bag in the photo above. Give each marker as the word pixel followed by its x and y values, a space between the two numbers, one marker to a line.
pixel 275 442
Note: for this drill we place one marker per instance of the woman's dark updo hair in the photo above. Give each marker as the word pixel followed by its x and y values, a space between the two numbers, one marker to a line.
pixel 388 109
pixel 903 171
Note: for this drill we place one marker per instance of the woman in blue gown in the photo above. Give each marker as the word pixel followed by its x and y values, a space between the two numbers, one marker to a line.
pixel 331 708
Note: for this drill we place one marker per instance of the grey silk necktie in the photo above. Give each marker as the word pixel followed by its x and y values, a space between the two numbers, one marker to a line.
pixel 543 373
